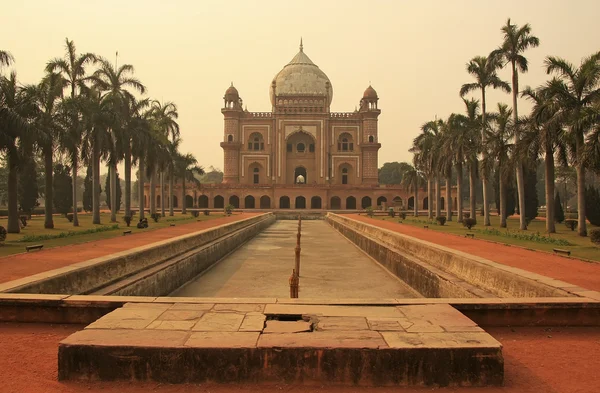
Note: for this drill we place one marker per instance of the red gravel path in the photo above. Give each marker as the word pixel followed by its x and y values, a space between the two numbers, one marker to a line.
pixel 574 271
pixel 563 360
pixel 22 265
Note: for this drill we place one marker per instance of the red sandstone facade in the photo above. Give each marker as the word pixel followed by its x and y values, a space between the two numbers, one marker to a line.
pixel 300 155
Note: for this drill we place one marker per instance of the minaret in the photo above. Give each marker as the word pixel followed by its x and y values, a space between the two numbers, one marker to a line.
pixel 369 112
pixel 232 111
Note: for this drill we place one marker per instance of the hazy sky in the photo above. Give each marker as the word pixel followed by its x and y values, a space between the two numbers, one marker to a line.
pixel 413 52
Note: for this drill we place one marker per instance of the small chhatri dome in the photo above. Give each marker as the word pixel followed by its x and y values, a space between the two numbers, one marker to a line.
pixel 301 77
pixel 231 94
pixel 370 93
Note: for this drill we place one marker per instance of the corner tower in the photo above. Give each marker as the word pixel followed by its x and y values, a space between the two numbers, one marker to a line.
pixel 232 111
pixel 369 112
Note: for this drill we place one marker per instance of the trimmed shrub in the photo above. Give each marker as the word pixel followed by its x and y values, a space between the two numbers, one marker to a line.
pixel 206 212
pixel 196 213
pixel 3 234
pixel 469 223
pixel 592 205
pixel 391 213
pixel 595 236
pixel 70 217
pixel 369 211
pixel 127 220
pixel 155 216
pixel 23 220
pixel 402 215
pixel 571 224
pixel 229 209
pixel 466 214
pixel 143 223
pixel 441 220
pixel 559 213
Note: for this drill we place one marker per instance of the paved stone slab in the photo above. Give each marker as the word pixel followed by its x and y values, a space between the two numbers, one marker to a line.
pixel 253 323
pixel 436 314
pixel 127 338
pixel 171 325
pixel 222 340
pixel 331 339
pixel 278 327
pixel 127 318
pixel 219 322
pixel 389 324
pixel 342 323
pixel 192 306
pixel 241 308
pixel 180 315
pixel 440 340
pixel 333 311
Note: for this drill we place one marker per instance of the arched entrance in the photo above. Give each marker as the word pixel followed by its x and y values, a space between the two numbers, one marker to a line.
pixel 350 203
pixel 234 200
pixel 219 202
pixel 265 202
pixel 425 203
pixel 284 202
pixel 189 201
pixel 300 171
pixel 202 201
pixel 381 200
pixel 158 201
pixel 300 202
pixel 442 203
pixel 411 202
pixel 315 202
pixel 336 203
pixel 175 202
pixel 249 202
pixel 366 202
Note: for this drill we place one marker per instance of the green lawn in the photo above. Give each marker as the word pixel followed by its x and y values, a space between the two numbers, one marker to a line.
pixel 15 243
pixel 580 247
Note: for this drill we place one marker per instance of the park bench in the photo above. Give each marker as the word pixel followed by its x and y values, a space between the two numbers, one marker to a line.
pixel 561 251
pixel 171 225
pixel 471 235
pixel 34 247
pixel 126 233
pixel 426 226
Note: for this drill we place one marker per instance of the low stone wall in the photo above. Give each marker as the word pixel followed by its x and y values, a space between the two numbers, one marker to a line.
pixel 437 271
pixel 89 276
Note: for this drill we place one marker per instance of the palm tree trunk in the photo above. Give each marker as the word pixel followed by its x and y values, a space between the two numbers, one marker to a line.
pixel 113 193
pixel 416 202
pixel 141 188
pixel 49 197
pixel 13 209
pixel 503 196
pixel 459 202
pixel 429 199
pixel 171 180
pixel 183 201
pixel 153 193
pixel 128 180
pixel 438 207
pixel 75 163
pixel 484 180
pixel 550 208
pixel 581 224
pixel 449 197
pixel 472 190
pixel 95 185
pixel 162 193
pixel 520 178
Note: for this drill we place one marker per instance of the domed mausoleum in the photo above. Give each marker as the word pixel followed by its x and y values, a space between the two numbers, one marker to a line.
pixel 300 155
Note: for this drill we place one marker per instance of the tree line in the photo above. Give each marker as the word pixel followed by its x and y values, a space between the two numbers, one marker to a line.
pixel 91 111
pixel 562 129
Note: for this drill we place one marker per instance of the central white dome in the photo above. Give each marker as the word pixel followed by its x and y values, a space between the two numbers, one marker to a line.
pixel 301 77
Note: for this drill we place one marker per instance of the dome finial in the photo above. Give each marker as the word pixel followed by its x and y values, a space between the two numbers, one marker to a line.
pixel 231 83
pixel 301 46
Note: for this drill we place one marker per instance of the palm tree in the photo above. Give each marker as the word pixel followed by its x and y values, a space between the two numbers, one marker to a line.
pixel 134 138
pixel 516 41
pixel 14 129
pixel 542 136
pixel 412 180
pixel 574 93
pixel 484 70
pixel 425 147
pixel 115 82
pixel 498 145
pixel 6 58
pixel 98 118
pixel 46 97
pixel 452 133
pixel 188 167
pixel 72 68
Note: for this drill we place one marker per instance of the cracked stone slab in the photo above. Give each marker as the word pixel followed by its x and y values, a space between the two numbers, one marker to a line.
pixel 222 340
pixel 253 323
pixel 342 323
pixel 279 327
pixel 440 340
pixel 219 322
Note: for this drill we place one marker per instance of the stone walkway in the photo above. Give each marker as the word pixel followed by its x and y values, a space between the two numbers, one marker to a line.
pixel 22 265
pixel 574 271
pixel 331 267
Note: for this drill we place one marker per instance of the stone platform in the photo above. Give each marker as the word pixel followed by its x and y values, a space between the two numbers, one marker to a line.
pixel 291 343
